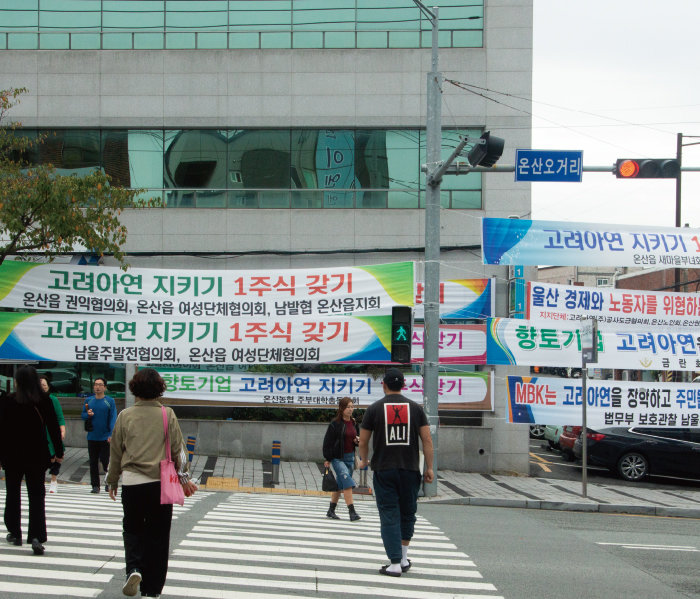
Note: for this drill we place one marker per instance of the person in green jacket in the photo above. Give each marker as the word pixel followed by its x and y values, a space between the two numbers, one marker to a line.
pixel 55 466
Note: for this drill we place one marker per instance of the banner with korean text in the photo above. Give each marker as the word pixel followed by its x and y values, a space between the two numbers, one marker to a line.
pixel 547 302
pixel 458 343
pixel 460 298
pixel 556 243
pixel 528 343
pixel 467 391
pixel 211 293
pixel 543 400
pixel 121 339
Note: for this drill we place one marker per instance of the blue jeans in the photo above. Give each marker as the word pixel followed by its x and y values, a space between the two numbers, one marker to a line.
pixel 343 471
pixel 396 492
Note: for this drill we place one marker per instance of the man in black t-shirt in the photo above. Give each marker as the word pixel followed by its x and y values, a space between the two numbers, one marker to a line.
pixel 395 423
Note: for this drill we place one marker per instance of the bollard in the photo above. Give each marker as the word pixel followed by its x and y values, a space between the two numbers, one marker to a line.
pixel 276 458
pixel 191 440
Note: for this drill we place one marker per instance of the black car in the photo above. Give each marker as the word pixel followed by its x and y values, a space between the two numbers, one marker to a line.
pixel 635 453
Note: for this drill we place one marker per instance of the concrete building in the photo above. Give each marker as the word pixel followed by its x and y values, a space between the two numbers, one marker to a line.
pixel 287 137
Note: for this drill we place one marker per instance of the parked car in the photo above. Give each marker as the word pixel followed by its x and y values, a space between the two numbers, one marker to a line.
pixel 637 452
pixel 537 431
pixel 567 438
pixel 551 435
pixel 62 380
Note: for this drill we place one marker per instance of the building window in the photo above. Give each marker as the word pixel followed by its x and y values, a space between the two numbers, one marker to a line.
pixel 262 168
pixel 210 24
pixel 603 282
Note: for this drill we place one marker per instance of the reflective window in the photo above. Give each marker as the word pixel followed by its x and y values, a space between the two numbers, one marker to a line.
pixel 262 168
pixel 30 24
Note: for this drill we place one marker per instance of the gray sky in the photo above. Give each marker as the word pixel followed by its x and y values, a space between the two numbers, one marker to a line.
pixel 617 79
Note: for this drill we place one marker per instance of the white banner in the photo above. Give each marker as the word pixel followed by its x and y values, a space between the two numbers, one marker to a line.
pixel 88 338
pixel 212 293
pixel 534 242
pixel 548 302
pixel 527 343
pixel 541 400
pixel 468 391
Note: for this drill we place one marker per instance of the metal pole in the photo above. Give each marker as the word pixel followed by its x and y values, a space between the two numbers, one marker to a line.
pixel 432 252
pixel 584 438
pixel 679 153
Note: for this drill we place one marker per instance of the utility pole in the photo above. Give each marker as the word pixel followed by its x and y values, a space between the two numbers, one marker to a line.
pixel 432 245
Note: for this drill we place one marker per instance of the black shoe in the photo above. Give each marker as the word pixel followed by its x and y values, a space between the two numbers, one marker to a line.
pixel 106 488
pixel 131 586
pixel 37 547
pixel 383 570
pixel 332 515
pixel 95 490
pixel 13 539
pixel 354 516
pixel 406 568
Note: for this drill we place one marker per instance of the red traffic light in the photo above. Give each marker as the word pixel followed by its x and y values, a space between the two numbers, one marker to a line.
pixel 647 168
pixel 627 169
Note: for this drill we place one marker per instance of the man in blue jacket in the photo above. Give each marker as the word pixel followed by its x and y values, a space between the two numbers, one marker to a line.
pixel 101 411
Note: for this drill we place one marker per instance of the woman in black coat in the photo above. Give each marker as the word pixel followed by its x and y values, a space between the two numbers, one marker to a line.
pixel 342 437
pixel 25 417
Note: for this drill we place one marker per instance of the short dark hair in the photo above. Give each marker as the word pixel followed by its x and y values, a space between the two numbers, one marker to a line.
pixel 393 379
pixel 100 378
pixel 147 384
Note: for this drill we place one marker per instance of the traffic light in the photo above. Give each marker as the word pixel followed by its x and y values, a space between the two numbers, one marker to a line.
pixel 647 168
pixel 401 332
pixel 486 151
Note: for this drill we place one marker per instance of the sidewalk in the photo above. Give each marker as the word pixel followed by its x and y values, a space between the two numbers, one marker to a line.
pixel 304 478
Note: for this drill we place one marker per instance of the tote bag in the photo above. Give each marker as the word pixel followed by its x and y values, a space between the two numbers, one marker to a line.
pixel 170 487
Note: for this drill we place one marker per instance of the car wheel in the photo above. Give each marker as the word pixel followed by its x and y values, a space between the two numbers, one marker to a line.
pixel 633 467
pixel 537 431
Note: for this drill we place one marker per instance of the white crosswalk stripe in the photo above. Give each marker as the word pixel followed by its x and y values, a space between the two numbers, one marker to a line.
pixel 263 546
pixel 84 551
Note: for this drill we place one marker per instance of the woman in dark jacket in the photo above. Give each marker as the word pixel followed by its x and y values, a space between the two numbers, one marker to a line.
pixel 25 417
pixel 339 446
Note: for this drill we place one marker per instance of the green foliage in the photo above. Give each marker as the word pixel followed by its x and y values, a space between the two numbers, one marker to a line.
pixel 48 214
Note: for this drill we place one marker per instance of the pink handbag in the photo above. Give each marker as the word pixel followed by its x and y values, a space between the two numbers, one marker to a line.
pixel 170 487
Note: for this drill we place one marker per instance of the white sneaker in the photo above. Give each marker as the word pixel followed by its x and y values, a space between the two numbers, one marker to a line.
pixel 53 487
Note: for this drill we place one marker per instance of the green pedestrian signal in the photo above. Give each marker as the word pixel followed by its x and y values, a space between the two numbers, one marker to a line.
pixel 401 333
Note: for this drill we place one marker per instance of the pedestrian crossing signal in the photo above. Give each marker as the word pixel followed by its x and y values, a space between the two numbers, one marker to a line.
pixel 401 333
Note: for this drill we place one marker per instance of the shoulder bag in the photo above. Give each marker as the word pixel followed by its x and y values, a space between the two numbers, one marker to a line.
pixel 170 488
pixel 329 484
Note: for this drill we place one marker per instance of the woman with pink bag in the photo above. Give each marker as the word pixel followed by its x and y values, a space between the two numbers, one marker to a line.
pixel 145 435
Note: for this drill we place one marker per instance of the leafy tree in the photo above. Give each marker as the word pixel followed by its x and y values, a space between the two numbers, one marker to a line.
pixel 45 213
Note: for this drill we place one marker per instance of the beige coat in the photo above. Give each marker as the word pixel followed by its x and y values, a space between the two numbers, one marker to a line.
pixel 138 442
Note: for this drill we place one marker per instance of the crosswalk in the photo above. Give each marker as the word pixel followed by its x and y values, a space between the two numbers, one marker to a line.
pixel 249 546
pixel 84 551
pixel 265 546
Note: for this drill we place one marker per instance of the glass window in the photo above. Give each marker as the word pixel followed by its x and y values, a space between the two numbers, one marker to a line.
pixel 133 16
pixel 195 158
pixel 260 159
pixel 70 14
pixel 251 15
pixel 20 14
pixel 390 15
pixel 145 150
pixel 321 14
pixel 203 14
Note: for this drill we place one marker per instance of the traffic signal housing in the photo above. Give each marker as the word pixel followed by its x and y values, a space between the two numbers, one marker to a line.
pixel 647 168
pixel 401 333
pixel 486 151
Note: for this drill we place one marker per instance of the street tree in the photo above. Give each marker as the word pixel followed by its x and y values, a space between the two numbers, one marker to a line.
pixel 44 213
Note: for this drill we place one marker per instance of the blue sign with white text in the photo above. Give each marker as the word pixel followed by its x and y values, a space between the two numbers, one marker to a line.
pixel 549 165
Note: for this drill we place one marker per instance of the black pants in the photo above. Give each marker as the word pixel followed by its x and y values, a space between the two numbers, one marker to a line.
pixel 34 478
pixel 146 535
pixel 98 451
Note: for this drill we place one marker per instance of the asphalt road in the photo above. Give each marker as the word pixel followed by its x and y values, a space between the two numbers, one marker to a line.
pixel 549 463
pixel 551 554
